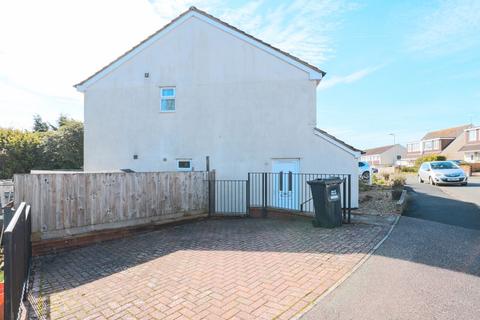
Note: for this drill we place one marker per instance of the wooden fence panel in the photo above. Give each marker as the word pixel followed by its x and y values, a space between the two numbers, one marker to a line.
pixel 74 203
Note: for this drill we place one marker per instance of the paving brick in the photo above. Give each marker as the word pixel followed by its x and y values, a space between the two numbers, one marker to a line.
pixel 214 269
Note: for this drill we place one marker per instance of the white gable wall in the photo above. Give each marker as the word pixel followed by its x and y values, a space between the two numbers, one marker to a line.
pixel 235 103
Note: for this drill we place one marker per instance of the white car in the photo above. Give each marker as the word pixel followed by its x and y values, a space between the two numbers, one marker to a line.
pixel 364 170
pixel 442 172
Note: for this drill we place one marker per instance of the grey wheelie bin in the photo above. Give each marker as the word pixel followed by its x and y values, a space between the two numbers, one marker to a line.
pixel 326 202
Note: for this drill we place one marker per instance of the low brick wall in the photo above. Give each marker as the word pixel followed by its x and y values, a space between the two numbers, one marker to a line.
pixel 51 246
pixel 257 212
pixel 470 168
pixel 475 167
pixel 467 169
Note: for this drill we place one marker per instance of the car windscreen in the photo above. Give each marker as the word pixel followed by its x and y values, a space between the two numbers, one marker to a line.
pixel 443 165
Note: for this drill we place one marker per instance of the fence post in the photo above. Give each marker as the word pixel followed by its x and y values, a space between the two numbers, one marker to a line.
pixel 344 199
pixel 28 243
pixel 8 272
pixel 15 262
pixel 211 193
pixel 247 196
pixel 264 194
pixel 349 197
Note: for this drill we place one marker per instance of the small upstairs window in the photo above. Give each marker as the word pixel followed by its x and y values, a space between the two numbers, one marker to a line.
pixel 167 99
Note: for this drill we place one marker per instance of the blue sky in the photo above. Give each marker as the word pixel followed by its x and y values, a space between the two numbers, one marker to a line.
pixel 402 67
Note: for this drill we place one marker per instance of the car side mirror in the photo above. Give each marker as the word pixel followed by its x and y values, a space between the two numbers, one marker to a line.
pixel 428 169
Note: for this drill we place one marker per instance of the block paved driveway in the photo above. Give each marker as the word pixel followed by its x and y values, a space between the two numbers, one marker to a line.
pixel 211 269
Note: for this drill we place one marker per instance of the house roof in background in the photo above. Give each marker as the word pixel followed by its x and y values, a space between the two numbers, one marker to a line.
pixel 473 128
pixel 378 150
pixel 470 147
pixel 192 12
pixel 446 133
pixel 338 140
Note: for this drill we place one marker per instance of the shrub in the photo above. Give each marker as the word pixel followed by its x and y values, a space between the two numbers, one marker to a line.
pixel 408 169
pixel 428 158
pixel 378 181
pixel 398 180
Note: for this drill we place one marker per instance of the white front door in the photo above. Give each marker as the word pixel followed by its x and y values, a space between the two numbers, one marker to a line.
pixel 285 184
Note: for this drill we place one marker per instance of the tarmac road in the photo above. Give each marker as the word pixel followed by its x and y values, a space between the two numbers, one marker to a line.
pixel 469 193
pixel 429 267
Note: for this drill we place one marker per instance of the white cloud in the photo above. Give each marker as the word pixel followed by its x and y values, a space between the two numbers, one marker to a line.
pixel 350 78
pixel 47 46
pixel 300 27
pixel 453 26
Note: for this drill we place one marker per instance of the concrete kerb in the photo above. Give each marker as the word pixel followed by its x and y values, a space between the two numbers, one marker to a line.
pixel 346 276
pixel 401 204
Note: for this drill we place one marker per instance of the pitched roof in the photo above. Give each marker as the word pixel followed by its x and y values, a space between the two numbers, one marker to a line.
pixel 470 147
pixel 338 140
pixel 194 10
pixel 446 133
pixel 378 150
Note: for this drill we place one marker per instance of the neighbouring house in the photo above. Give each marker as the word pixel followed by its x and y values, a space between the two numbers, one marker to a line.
pixel 385 156
pixel 470 150
pixel 437 142
pixel 200 87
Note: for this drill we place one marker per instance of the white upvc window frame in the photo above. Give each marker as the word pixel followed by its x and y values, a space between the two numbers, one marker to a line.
pixel 190 168
pixel 174 98
pixel 413 147
pixel 428 145
pixel 472 134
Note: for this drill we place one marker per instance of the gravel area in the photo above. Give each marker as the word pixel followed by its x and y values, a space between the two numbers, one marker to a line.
pixel 376 200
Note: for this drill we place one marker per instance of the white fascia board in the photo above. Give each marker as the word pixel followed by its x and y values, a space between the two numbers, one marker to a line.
pixel 313 74
pixel 355 154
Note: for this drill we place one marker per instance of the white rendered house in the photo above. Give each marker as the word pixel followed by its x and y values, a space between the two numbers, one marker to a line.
pixel 200 87
pixel 385 156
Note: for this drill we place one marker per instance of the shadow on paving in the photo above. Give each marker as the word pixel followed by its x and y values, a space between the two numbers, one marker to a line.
pixel 437 231
pixel 76 267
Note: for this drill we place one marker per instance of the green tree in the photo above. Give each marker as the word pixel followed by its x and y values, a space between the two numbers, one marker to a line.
pixel 61 121
pixel 39 125
pixel 63 148
pixel 20 151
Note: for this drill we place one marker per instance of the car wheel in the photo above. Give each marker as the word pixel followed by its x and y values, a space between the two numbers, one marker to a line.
pixel 420 179
pixel 430 180
pixel 366 176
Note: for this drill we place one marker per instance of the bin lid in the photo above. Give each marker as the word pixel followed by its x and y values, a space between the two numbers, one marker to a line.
pixel 325 181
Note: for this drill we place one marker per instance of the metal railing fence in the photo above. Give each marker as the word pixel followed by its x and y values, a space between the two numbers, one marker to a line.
pixel 17 258
pixel 231 197
pixel 281 190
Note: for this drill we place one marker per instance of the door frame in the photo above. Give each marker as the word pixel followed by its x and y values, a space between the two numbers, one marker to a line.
pixel 287 197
